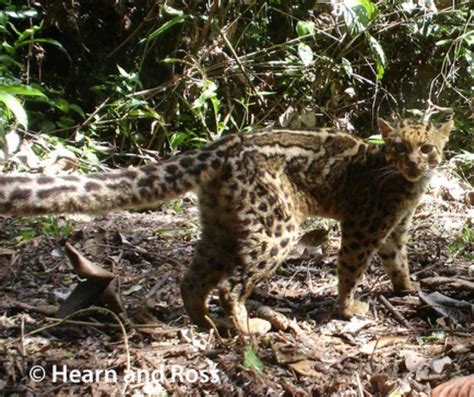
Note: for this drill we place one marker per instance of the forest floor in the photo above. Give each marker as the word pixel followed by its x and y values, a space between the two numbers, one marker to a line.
pixel 404 347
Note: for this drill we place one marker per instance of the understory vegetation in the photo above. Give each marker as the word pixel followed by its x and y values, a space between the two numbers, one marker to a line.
pixel 120 82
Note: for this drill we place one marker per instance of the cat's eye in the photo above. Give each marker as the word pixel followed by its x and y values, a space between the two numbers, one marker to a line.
pixel 426 149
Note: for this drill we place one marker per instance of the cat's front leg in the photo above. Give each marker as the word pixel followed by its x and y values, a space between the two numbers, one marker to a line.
pixel 393 253
pixel 354 256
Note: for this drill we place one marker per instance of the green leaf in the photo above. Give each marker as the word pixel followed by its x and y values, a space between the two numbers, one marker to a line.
pixel 32 41
pixel 304 28
pixel 379 56
pixel 172 11
pixel 14 106
pixel 347 66
pixel 208 93
pixel 251 360
pixel 78 110
pixel 22 90
pixel 376 139
pixel 8 60
pixel 166 26
pixel 358 14
pixel 123 72
pixel 22 14
pixel 305 53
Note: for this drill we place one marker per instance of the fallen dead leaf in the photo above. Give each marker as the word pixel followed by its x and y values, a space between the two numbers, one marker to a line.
pixel 442 364
pixel 414 361
pixel 305 368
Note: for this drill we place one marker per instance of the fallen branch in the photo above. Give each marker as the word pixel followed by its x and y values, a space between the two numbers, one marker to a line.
pixel 457 284
pixel 402 320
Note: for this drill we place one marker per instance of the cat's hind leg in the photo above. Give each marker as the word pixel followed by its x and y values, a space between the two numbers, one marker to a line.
pixel 205 272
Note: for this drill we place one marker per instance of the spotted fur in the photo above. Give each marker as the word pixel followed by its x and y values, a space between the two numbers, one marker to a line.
pixel 254 191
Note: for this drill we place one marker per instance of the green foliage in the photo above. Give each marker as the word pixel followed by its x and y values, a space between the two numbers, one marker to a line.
pixel 463 244
pixel 134 82
pixel 56 227
pixel 251 360
pixel 51 226
pixel 434 336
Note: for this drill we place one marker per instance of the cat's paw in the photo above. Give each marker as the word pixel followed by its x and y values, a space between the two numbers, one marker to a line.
pixel 413 286
pixel 407 287
pixel 356 308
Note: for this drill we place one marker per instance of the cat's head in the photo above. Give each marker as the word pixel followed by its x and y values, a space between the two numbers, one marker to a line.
pixel 414 148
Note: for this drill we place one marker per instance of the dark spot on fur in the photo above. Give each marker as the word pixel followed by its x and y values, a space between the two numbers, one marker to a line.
pixel 269 221
pixel 20 194
pixel 8 180
pixel 163 188
pixel 129 174
pixel 198 169
pixel 186 162
pixel 145 194
pixel 279 229
pixel 226 171
pixel 149 169
pixel 274 251
pixel 262 265
pixel 203 156
pixel 91 186
pixel 172 169
pixel 122 185
pixel 186 185
pixel 220 153
pixel 253 198
pixel 99 177
pixel 388 256
pixel 262 207
pixel 246 222
pixel 71 178
pixel 44 180
pixel 46 193
pixel 216 163
pixel 145 182
pixel 284 242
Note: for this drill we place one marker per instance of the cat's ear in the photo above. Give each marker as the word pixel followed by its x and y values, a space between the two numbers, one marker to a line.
pixel 385 128
pixel 445 129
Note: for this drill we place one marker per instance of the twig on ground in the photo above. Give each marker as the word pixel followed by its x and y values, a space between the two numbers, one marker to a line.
pixel 402 320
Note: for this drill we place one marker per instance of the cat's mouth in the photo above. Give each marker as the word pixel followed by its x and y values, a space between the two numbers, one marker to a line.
pixel 412 174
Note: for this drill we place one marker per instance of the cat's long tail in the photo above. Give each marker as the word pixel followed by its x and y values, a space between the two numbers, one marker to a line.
pixel 129 188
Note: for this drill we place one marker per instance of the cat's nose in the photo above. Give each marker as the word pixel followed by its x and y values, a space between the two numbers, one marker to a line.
pixel 412 165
